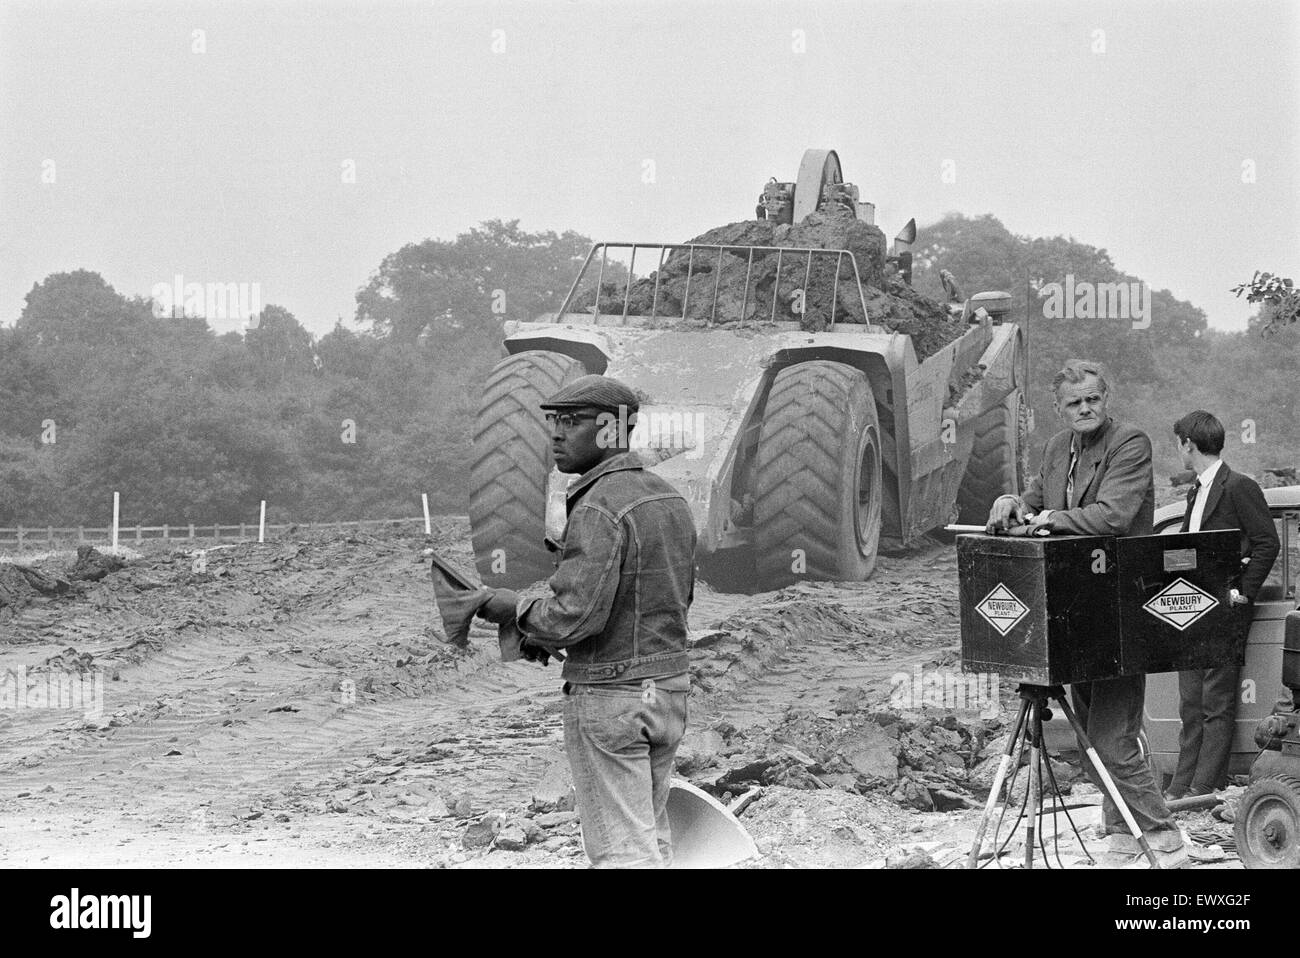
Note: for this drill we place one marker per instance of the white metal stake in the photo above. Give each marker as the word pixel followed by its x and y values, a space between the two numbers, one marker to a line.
pixel 428 526
pixel 116 504
pixel 261 524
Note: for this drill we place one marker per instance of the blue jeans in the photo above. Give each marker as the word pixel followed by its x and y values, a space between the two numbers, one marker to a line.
pixel 621 741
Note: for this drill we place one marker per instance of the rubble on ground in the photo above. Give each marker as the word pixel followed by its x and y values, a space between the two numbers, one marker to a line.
pixel 929 760
pixel 20 585
pixel 92 565
pixel 746 289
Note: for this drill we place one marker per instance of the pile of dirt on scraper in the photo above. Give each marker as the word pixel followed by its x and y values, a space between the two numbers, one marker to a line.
pixel 890 302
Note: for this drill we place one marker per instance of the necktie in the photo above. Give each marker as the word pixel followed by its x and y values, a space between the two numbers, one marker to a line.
pixel 1069 478
pixel 1191 503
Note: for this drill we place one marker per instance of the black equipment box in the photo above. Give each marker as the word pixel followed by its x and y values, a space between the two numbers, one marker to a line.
pixel 1174 611
pixel 1062 609
pixel 1027 604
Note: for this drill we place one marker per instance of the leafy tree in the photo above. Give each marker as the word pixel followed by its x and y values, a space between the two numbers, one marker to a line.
pixel 279 343
pixel 28 482
pixel 461 289
pixel 29 391
pixel 80 307
pixel 188 457
pixel 1281 300
pixel 982 254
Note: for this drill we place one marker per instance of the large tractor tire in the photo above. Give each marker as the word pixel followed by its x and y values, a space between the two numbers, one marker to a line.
pixel 817 511
pixel 1267 830
pixel 509 466
pixel 997 459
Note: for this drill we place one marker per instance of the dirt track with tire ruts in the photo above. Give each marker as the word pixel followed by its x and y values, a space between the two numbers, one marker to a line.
pixel 294 704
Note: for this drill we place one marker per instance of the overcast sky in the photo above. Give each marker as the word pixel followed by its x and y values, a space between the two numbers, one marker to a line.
pixel 220 155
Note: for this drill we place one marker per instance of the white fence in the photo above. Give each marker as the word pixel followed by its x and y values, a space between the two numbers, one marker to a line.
pixel 46 536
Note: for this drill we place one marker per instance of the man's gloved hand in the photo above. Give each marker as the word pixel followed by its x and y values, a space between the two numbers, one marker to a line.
pixel 534 653
pixel 500 608
pixel 1007 511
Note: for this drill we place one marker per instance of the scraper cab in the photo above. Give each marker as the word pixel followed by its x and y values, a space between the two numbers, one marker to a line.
pixel 809 405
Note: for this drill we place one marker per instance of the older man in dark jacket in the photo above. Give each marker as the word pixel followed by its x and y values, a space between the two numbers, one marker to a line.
pixel 617 604
pixel 1096 480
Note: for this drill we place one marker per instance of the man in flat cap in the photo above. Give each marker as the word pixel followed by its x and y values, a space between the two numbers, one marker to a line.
pixel 617 604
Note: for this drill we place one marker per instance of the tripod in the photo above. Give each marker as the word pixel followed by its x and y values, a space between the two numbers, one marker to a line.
pixel 1028 730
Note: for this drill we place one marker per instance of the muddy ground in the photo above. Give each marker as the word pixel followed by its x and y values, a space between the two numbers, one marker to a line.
pixel 293 704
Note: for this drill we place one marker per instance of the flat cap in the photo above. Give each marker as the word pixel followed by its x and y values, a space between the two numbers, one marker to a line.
pixel 599 392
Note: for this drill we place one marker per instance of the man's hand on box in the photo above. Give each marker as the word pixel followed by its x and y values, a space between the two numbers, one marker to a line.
pixel 500 608
pixel 1007 511
pixel 1040 522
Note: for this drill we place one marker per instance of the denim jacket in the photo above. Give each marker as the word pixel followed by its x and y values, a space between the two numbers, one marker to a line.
pixel 625 578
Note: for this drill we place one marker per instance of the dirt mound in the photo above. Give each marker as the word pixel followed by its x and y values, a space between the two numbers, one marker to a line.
pixel 92 565
pixel 745 290
pixel 69 660
pixel 20 585
pixel 23 585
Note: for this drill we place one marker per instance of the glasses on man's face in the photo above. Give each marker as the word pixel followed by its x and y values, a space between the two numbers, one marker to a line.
pixel 567 420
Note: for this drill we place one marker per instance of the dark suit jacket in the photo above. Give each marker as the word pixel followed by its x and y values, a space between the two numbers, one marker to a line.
pixel 1114 489
pixel 1237 502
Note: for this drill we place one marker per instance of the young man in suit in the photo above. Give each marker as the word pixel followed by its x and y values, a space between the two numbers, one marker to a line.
pixel 1219 499
pixel 1096 480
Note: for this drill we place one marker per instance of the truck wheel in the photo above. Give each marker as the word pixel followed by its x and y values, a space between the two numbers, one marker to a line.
pixel 997 463
pixel 817 510
pixel 1268 824
pixel 509 466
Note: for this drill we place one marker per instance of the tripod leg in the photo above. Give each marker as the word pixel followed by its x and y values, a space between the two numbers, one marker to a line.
pixel 1108 782
pixel 1009 786
pixel 1035 780
pixel 1004 763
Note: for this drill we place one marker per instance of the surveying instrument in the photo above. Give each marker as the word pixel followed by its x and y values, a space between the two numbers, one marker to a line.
pixel 1052 611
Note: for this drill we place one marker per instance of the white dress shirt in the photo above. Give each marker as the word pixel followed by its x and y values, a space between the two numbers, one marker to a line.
pixel 1203 493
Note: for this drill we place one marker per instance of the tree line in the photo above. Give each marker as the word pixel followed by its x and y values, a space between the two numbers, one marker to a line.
pixel 98 393
pixel 1161 366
